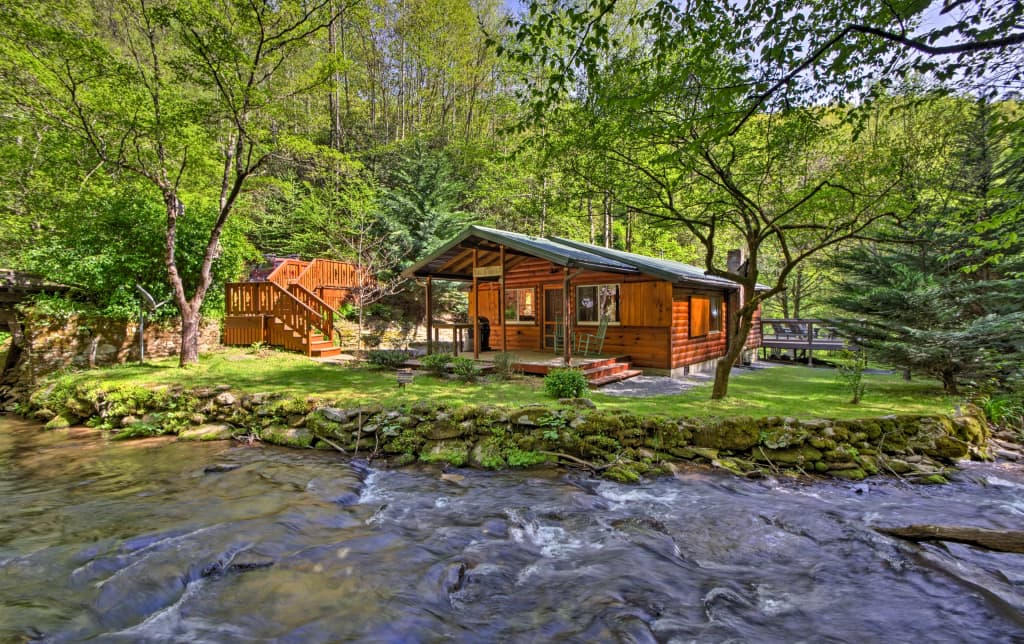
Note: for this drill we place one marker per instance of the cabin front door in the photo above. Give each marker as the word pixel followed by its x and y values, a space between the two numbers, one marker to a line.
pixel 554 310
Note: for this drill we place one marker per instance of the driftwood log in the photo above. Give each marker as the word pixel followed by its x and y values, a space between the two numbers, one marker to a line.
pixel 998 540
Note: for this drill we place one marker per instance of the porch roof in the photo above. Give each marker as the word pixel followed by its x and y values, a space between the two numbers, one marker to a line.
pixel 454 260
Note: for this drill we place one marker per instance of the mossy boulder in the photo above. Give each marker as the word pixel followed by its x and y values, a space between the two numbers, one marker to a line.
pixel 488 454
pixel 852 474
pixel 454 452
pixel 782 436
pixel 740 433
pixel 446 429
pixel 622 474
pixel 601 423
pixel 285 436
pixel 60 421
pixel 949 448
pixel 788 456
pixel 208 432
pixel 971 429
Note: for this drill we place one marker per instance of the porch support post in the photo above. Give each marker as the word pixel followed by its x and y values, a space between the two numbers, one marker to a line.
pixel 566 321
pixel 476 308
pixel 501 301
pixel 430 316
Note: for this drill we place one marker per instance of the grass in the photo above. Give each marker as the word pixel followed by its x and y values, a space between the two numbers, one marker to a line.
pixel 781 391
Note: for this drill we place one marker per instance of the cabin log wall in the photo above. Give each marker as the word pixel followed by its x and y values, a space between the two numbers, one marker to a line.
pixel 645 311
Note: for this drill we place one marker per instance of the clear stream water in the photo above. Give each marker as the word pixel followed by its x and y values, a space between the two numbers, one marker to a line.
pixel 155 540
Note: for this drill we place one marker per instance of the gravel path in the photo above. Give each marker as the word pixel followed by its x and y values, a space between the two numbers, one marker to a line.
pixel 645 386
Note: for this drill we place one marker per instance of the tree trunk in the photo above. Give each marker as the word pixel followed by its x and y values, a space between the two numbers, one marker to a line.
pixel 737 342
pixel 998 540
pixel 189 353
pixel 590 217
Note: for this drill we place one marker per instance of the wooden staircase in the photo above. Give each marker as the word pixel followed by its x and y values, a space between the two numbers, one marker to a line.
pixel 609 370
pixel 294 307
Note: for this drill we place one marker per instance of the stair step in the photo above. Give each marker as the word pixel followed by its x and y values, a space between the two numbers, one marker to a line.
pixel 319 345
pixel 615 377
pixel 605 370
pixel 326 352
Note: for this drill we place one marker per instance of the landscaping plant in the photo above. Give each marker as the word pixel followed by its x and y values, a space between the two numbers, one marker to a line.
pixel 566 383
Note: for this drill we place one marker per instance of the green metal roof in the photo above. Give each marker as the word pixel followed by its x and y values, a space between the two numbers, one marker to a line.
pixel 663 268
pixel 565 252
pixel 544 248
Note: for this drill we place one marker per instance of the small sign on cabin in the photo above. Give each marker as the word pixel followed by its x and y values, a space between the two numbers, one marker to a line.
pixel 487 271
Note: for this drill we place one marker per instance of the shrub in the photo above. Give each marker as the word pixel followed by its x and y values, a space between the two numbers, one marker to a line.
pixel 504 365
pixel 387 359
pixel 465 369
pixel 851 373
pixel 566 383
pixel 436 363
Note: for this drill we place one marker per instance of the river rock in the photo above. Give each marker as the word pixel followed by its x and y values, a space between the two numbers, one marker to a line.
pixel 580 403
pixel 225 399
pixel 43 415
pixel 732 433
pixel 208 432
pixel 287 436
pixel 59 421
pixel 333 414
pixel 852 474
pixel 788 456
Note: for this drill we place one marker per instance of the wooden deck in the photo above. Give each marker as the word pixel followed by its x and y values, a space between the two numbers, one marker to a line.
pixel 293 307
pixel 802 334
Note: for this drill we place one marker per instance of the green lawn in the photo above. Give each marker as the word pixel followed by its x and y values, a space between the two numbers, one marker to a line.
pixel 780 391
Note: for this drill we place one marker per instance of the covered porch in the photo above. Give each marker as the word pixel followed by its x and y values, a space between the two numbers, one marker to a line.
pixel 537 323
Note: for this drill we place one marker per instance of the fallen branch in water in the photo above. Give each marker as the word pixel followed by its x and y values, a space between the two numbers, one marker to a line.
pixel 334 445
pixel 578 461
pixel 998 540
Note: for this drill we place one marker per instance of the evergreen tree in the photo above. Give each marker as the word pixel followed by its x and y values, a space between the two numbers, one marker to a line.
pixel 945 295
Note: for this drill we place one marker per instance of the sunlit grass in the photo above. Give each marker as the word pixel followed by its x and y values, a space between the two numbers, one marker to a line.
pixel 780 391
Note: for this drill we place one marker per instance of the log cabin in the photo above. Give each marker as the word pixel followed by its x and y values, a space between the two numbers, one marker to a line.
pixel 668 317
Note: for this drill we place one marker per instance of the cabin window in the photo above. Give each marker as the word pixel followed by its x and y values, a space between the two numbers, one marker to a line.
pixel 705 315
pixel 520 305
pixel 596 302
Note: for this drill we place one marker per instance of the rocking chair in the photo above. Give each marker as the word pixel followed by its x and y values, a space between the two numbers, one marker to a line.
pixel 583 340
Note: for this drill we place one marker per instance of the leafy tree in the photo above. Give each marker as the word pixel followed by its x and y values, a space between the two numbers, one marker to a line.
pixel 187 96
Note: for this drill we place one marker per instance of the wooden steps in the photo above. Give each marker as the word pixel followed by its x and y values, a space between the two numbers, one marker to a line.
pixel 610 370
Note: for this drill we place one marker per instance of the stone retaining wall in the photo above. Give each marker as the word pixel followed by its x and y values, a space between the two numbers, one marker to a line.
pixel 620 446
pixel 51 344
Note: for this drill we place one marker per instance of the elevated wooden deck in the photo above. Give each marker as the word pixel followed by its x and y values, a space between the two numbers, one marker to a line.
pixel 802 334
pixel 293 306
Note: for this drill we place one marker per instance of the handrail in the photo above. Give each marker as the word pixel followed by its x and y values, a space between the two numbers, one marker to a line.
pixel 288 271
pixel 325 314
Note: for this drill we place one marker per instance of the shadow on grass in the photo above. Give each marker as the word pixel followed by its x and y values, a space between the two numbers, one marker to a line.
pixel 780 391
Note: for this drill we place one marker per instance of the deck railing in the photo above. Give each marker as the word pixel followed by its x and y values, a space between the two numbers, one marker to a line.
pixel 800 333
pixel 318 306
pixel 269 299
pixel 328 273
pixel 287 272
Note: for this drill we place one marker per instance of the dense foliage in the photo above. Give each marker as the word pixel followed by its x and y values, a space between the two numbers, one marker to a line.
pixel 168 143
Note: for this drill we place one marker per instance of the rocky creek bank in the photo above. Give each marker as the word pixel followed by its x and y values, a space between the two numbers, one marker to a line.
pixel 617 445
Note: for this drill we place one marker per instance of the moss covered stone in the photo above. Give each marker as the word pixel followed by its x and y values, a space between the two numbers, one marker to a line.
pixel 60 421
pixel 209 432
pixel 454 452
pixel 852 474
pixel 286 436
pixel 488 453
pixel 621 474
pixel 740 433
pixel 788 456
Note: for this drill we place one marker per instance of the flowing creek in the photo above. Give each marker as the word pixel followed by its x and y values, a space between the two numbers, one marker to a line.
pixel 156 540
